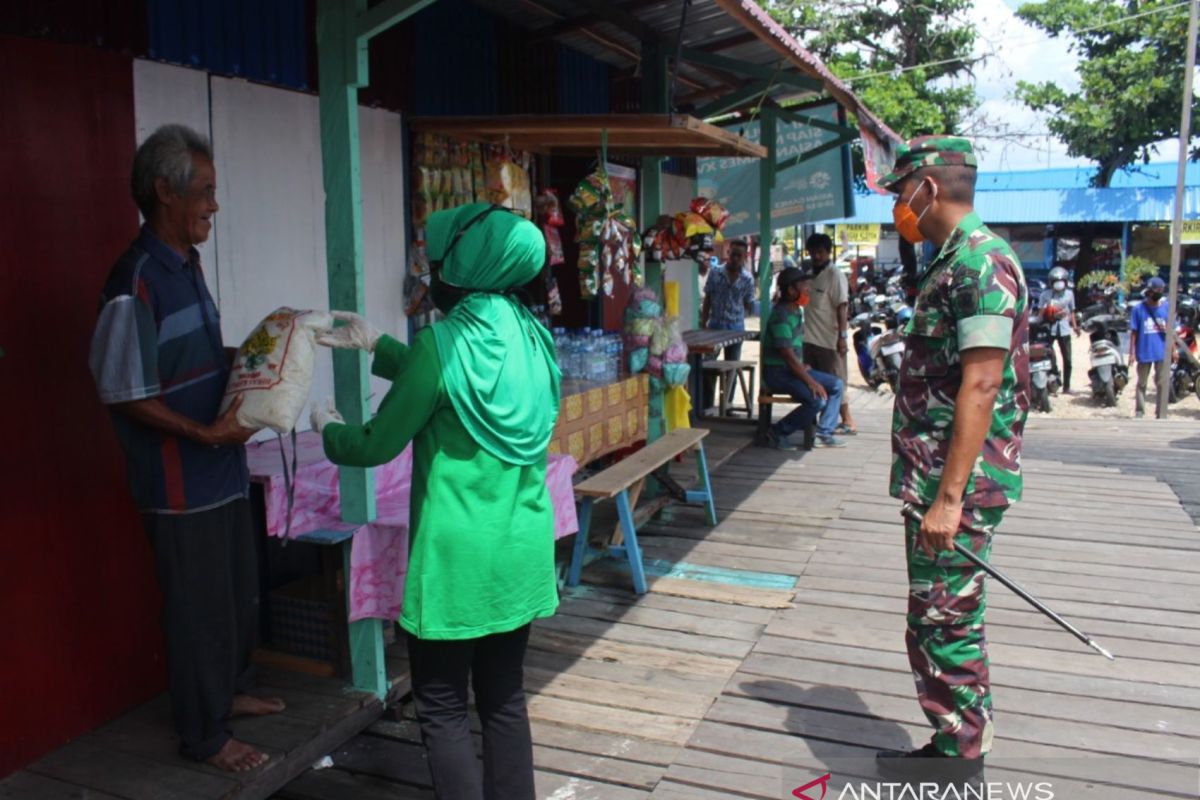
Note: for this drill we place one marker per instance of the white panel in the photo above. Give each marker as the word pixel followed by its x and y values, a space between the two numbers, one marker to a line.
pixel 271 228
pixel 385 256
pixel 164 94
pixel 677 194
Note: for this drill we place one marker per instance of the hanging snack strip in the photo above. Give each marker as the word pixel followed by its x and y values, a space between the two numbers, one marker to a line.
pixel 591 202
pixel 689 234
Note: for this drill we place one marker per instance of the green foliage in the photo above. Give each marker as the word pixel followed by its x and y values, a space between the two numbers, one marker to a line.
pixel 1130 78
pixel 1097 277
pixel 876 38
pixel 1137 271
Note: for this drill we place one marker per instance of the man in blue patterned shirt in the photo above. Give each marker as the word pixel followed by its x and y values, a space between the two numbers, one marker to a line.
pixel 728 298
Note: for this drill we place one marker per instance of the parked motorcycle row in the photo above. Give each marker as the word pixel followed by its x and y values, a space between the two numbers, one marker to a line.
pixel 879 314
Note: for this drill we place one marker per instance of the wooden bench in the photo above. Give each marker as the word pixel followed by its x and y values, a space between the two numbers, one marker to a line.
pixel 731 375
pixel 623 483
pixel 765 401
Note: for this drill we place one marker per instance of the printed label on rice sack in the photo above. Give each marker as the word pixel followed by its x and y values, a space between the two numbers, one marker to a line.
pixel 273 369
pixel 260 359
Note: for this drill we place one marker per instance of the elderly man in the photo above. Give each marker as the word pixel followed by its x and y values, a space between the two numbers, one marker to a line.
pixel 960 411
pixel 160 366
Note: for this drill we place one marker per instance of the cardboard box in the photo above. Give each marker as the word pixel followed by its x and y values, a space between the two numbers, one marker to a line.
pixel 600 420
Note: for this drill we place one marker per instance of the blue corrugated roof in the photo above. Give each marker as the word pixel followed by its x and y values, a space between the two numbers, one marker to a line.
pixel 1061 195
pixel 1145 175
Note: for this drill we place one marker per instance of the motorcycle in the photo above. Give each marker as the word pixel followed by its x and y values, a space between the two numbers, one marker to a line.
pixel 880 348
pixel 1185 371
pixel 1109 373
pixel 1044 377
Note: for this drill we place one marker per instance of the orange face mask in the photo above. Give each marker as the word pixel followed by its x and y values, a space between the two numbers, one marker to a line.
pixel 908 223
pixel 802 300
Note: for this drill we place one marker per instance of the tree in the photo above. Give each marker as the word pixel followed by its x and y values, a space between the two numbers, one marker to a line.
pixel 1132 57
pixel 907 52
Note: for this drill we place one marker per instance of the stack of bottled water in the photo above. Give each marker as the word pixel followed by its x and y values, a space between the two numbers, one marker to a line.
pixel 588 356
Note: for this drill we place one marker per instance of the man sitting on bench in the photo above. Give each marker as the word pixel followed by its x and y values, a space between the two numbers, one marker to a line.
pixel 785 372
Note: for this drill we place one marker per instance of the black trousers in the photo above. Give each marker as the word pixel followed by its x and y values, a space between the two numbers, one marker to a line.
pixel 207 572
pixel 1064 348
pixel 493 666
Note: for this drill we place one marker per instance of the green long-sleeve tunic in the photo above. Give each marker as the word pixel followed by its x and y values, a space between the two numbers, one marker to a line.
pixel 481 557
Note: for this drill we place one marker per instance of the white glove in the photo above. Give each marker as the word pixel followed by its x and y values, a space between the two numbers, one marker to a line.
pixel 356 334
pixel 323 414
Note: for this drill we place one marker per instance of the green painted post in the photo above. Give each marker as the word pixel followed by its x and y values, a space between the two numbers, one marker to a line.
pixel 766 182
pixel 342 68
pixel 654 101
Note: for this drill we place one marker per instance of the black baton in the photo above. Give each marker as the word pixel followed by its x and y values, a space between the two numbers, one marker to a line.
pixel 910 511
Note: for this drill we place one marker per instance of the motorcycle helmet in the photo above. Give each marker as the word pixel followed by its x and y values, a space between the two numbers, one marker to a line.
pixel 903 316
pixel 1058 279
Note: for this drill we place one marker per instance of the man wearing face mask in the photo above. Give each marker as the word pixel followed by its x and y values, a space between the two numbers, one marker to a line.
pixel 1148 338
pixel 785 371
pixel 1058 311
pixel 960 410
pixel 826 330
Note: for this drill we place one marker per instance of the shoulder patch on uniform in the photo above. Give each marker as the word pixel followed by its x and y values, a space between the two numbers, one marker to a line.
pixel 964 296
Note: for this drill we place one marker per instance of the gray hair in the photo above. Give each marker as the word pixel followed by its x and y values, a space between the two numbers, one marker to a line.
pixel 166 153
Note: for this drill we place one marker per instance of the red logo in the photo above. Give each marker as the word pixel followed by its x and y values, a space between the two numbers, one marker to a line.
pixel 802 791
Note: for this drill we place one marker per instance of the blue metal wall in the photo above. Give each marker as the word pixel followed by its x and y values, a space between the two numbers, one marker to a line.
pixel 583 83
pixel 456 63
pixel 263 40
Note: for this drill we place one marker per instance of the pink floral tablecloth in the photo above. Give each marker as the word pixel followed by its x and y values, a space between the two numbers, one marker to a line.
pixel 379 549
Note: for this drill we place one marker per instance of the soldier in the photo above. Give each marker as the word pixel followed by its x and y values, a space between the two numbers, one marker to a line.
pixel 956 439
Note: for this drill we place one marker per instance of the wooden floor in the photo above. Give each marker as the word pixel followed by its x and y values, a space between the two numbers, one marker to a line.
pixel 770 648
pixel 724 682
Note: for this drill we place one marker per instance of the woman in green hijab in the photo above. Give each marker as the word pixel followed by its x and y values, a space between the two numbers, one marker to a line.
pixel 477 394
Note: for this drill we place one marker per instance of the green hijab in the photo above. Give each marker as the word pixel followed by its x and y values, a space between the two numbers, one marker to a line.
pixel 498 361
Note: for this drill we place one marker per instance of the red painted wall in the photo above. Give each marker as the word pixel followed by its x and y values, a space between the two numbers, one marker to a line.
pixel 79 609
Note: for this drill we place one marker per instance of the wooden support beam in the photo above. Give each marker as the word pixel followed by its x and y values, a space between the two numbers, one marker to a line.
pixel 342 68
pixel 814 152
pixel 732 102
pixel 378 19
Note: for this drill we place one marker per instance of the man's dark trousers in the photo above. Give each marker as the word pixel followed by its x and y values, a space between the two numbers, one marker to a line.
pixel 207 571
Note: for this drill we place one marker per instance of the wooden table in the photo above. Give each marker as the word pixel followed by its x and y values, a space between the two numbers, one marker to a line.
pixel 703 342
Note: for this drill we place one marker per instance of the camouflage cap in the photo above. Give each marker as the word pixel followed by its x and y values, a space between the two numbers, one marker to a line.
pixel 929 151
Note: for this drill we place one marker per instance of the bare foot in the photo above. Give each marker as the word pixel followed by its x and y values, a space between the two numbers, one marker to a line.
pixel 237 756
pixel 245 705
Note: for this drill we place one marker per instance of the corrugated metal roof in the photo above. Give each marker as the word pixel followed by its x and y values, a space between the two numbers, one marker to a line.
pixel 1044 206
pixel 736 29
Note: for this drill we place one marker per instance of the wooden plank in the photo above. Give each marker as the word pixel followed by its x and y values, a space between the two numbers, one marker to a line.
pixel 803 622
pixel 665 620
pixel 825 681
pixel 608 719
pixel 699 608
pixel 626 472
pixel 30 786
pixel 768 709
pixel 698 590
pixel 634 655
pixel 1081 685
pixel 133 777
pixel 634 634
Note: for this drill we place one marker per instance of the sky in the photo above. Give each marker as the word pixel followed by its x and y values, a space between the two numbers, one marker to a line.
pixel 1023 52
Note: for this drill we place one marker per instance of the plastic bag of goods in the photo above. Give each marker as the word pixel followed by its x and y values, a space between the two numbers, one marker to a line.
pixel 273 369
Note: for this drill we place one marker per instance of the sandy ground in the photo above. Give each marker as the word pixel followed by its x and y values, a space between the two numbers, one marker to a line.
pixel 1078 405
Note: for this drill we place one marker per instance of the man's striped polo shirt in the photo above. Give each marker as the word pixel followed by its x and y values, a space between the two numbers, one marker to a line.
pixel 159 335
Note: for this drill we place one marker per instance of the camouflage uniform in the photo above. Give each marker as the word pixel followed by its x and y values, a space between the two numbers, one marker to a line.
pixel 972 295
